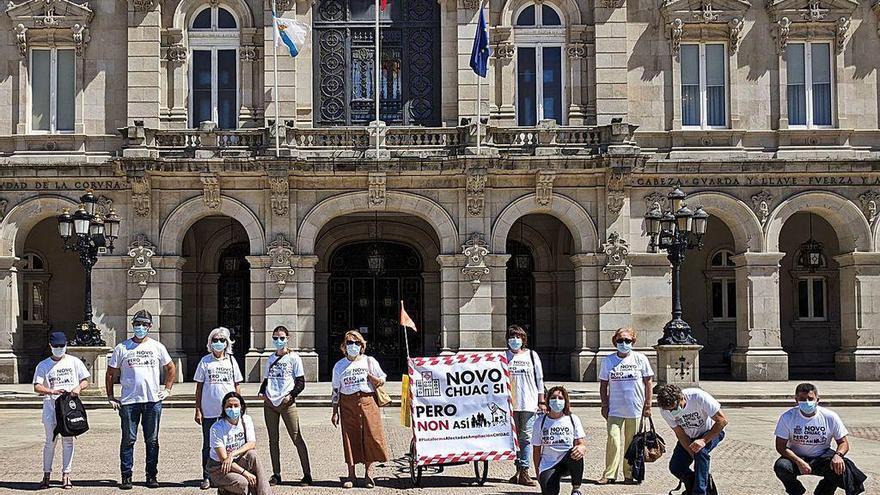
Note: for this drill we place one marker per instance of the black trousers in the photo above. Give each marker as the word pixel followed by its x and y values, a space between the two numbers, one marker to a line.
pixel 550 478
pixel 788 473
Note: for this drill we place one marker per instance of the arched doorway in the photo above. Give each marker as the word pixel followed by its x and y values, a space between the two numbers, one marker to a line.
pixel 521 288
pixel 367 282
pixel 234 296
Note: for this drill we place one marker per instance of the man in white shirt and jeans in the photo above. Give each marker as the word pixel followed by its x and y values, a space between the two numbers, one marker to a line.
pixel 139 360
pixel 803 439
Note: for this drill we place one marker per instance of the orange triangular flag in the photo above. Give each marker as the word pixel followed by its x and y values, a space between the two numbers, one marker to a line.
pixel 405 320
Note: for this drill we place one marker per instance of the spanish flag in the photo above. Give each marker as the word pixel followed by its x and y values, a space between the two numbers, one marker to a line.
pixel 405 320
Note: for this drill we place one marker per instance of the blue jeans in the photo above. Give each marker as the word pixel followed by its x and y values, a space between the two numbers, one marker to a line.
pixel 132 415
pixel 525 422
pixel 680 464
pixel 207 423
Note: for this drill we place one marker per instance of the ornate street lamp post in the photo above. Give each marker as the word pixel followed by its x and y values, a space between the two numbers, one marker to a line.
pixel 85 231
pixel 676 231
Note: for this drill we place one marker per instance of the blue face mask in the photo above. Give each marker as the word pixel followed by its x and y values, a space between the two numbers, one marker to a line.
pixel 808 407
pixel 677 412
pixel 515 343
pixel 279 343
pixel 59 351
pixel 218 346
pixel 624 348
pixel 141 331
pixel 233 413
pixel 353 350
pixel 557 404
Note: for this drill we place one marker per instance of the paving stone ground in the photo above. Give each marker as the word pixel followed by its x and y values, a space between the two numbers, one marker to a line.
pixel 742 464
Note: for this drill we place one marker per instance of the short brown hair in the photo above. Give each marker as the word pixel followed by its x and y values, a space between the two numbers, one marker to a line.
pixel 518 331
pixel 559 388
pixel 669 396
pixel 623 330
pixel 355 335
pixel 282 328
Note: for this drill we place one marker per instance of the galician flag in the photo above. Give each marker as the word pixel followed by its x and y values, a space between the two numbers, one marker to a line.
pixel 405 320
pixel 291 33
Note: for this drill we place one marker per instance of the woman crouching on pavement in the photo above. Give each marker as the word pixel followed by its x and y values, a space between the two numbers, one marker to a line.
pixel 234 466
pixel 558 440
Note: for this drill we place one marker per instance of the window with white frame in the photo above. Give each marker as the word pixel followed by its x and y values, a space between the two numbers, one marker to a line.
pixel 214 41
pixel 52 80
pixel 35 281
pixel 809 84
pixel 812 298
pixel 540 85
pixel 703 85
pixel 722 286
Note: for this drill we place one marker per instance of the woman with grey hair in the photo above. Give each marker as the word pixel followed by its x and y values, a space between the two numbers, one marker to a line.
pixel 216 375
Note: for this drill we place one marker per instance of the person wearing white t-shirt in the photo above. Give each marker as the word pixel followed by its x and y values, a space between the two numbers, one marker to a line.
pixel 698 422
pixel 355 379
pixel 527 385
pixel 216 375
pixel 284 380
pixel 803 440
pixel 625 383
pixel 559 444
pixel 138 362
pixel 234 466
pixel 61 373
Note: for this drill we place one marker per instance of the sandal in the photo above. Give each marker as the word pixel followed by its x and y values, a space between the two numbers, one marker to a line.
pixel 368 482
pixel 65 483
pixel 604 481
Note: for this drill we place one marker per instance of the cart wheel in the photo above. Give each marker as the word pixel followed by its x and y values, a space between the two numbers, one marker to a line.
pixel 484 467
pixel 415 471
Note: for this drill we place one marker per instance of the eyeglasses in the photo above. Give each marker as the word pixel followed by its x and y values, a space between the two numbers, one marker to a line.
pixel 59 346
pixel 352 342
pixel 626 341
pixel 279 338
pixel 218 340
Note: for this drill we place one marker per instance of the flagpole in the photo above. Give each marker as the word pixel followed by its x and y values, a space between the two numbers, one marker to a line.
pixel 479 109
pixel 405 336
pixel 376 84
pixel 275 71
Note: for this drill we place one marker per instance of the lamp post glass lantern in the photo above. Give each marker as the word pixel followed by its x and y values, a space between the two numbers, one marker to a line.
pixel 676 231
pixel 85 231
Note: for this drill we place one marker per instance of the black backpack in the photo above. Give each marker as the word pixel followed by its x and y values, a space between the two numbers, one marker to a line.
pixel 71 419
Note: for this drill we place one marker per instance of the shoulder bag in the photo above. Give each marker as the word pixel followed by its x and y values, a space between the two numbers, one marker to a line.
pixel 382 397
pixel 266 380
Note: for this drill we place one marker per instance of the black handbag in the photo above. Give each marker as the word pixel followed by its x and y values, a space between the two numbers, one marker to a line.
pixel 265 382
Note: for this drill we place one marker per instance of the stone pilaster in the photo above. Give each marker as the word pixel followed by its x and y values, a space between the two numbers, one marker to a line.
pixel 165 303
pixel 450 274
pixel 143 56
pixel 586 307
pixel 859 355
pixel 304 312
pixel 611 62
pixel 259 308
pixel 9 314
pixel 109 277
pixel 758 355
pixel 497 264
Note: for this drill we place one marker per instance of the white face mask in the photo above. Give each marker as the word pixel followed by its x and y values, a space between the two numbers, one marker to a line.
pixel 514 343
pixel 353 350
pixel 59 351
pixel 557 405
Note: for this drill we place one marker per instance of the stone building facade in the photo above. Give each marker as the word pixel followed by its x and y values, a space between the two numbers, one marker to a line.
pixel 766 114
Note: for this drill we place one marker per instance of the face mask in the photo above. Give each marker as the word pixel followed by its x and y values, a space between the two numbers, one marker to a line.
pixel 233 413
pixel 677 412
pixel 218 346
pixel 353 350
pixel 624 348
pixel 59 351
pixel 515 343
pixel 279 343
pixel 807 407
pixel 141 331
pixel 557 405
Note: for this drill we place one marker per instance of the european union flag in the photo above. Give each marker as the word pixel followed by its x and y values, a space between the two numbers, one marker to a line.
pixel 480 51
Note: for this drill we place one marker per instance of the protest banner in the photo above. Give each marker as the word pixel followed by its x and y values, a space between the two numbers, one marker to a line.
pixel 461 408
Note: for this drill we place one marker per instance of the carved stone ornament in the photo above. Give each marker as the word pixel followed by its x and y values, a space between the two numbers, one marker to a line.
pixel 104 206
pixel 613 4
pixel 475 250
pixel 376 182
pixel 811 19
pixel 870 204
pixel 544 188
pixel 577 51
pixel 704 20
pixel 283 5
pixel 281 269
pixel 615 190
pixel 280 191
pixel 141 252
pixel 476 185
pixel 616 262
pixel 176 53
pixel 469 4
pixel 504 51
pixel 211 190
pixel 249 53
pixel 761 203
pixel 143 5
pixel 50 22
pixel 140 195
pixel 655 198
pixel 3 205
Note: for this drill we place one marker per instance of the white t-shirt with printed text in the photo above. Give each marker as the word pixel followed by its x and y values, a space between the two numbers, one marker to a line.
pixel 697 416
pixel 810 436
pixel 219 377
pixel 64 374
pixel 626 386
pixel 231 437
pixel 139 366
pixel 350 377
pixel 281 377
pixel 522 379
pixel 555 437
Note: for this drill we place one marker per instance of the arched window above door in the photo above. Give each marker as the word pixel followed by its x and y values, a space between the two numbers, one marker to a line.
pixel 540 38
pixel 214 40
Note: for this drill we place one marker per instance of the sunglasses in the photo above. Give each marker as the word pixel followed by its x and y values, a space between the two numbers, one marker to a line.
pixel 279 338
pixel 218 340
pixel 626 341
pixel 59 346
pixel 352 342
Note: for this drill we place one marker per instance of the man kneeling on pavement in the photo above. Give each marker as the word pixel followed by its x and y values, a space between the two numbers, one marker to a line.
pixel 803 439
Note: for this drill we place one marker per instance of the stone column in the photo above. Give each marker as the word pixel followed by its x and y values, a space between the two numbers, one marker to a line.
pixel 253 371
pixel 430 314
pixel 165 303
pixel 504 109
pixel 650 300
pixel 9 315
pixel 577 53
pixel 859 355
pixel 497 264
pixel 758 355
pixel 143 65
pixel 611 63
pixel 586 308
pixel 109 279
pixel 304 338
pixel 450 274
